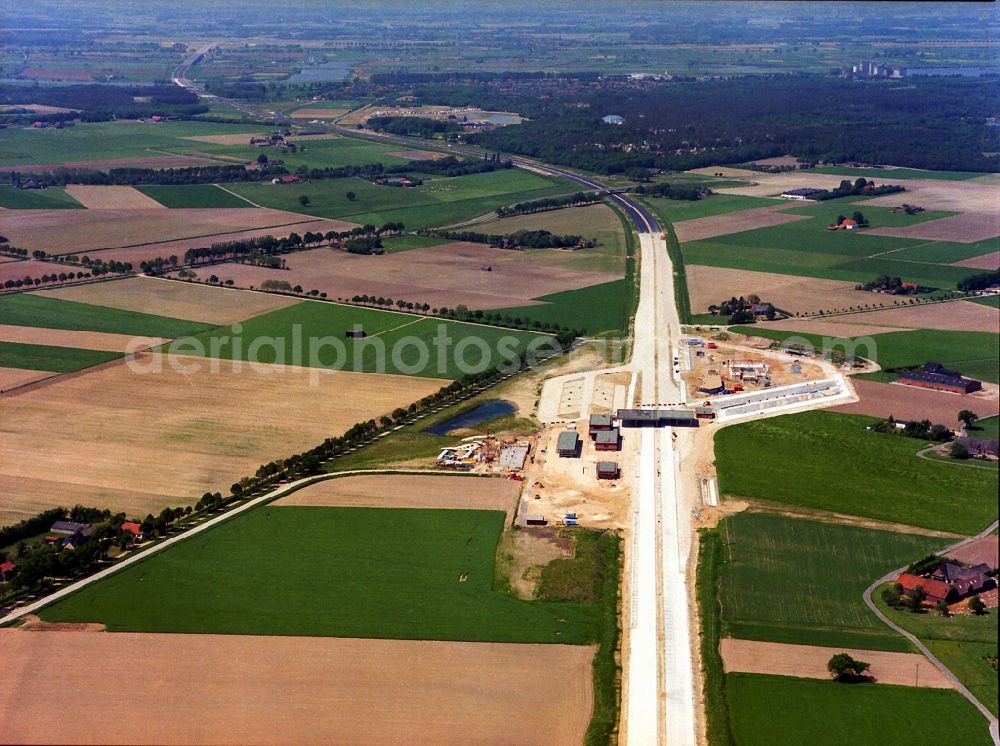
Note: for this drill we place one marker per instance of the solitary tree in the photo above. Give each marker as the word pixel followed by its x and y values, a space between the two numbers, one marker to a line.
pixel 915 598
pixel 967 418
pixel 976 606
pixel 351 196
pixel 942 608
pixel 304 200
pixel 844 668
pixel 262 159
pixel 958 451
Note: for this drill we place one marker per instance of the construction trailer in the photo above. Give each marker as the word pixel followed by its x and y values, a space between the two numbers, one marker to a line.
pixel 607 440
pixel 568 444
pixel 607 470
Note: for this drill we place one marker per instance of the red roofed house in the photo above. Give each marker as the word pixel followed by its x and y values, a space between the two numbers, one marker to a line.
pixel 7 571
pixel 848 225
pixel 131 527
pixel 287 179
pixel 936 590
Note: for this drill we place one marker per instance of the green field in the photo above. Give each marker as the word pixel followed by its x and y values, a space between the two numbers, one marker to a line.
pixel 52 198
pixel 945 253
pixel 270 338
pixel 193 195
pixel 593 310
pixel 50 358
pixel 895 173
pixel 777 585
pixel 21 146
pixel 800 459
pixel 438 201
pixel 332 153
pixel 972 353
pixel 961 642
pixel 31 309
pixel 988 427
pixel 407 242
pixel 785 711
pixel 342 572
pixel 993 301
pixel 675 210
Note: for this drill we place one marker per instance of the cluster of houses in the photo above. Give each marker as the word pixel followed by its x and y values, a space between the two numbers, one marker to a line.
pixel 275 139
pixel 950 582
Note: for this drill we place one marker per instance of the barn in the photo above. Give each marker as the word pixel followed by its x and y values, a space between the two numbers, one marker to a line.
pixel 936 376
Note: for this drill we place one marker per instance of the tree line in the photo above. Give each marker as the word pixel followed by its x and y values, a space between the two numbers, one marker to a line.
pixel 537 239
pixel 100 103
pixel 166 176
pixel 979 281
pixel 549 203
pixel 669 191
pixel 405 126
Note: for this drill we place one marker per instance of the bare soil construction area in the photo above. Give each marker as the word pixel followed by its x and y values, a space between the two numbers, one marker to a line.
pixel 446 275
pixel 969 227
pixel 912 403
pixel 141 441
pixel 986 261
pixel 809 661
pixel 735 222
pixel 37 335
pixel 58 231
pixel 181 300
pixel 960 316
pixel 236 689
pixel 410 491
pixel 708 285
pixel 112 198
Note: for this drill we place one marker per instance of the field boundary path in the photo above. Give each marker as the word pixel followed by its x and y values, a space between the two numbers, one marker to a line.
pixel 267 497
pixel 994 725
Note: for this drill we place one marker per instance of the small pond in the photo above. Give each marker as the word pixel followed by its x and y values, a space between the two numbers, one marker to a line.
pixel 485 411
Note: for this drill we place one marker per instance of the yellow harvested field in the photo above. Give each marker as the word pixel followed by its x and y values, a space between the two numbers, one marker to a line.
pixel 735 222
pixel 59 231
pixel 112 198
pixel 180 300
pixel 37 335
pixel 232 139
pixel 967 227
pixel 809 661
pixel 144 688
pixel 410 491
pixel 14 377
pixel 140 437
pixel 318 113
pixel 708 285
pixel 959 316
pixel 850 326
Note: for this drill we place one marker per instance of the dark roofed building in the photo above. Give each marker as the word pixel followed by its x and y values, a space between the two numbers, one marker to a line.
pixel 69 527
pixel 607 470
pixel 803 193
pixel 568 444
pixel 600 422
pixel 936 376
pixel 965 580
pixel 607 440
pixel 657 418
pixel 979 446
pixel 936 590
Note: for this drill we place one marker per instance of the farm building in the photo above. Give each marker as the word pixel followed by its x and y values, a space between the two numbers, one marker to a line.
pixel 936 376
pixel 131 527
pixel 979 446
pixel 936 590
pixel 535 520
pixel 568 444
pixel 287 179
pixel 800 194
pixel 656 418
pixel 356 333
pixel 966 580
pixel 607 470
pixel 599 423
pixel 607 440
pixel 7 571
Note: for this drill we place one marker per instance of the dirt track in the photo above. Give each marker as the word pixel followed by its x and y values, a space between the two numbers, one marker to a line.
pixel 139 442
pixel 112 198
pixel 409 491
pixel 809 661
pixel 234 689
pixel 912 403
pixel 182 300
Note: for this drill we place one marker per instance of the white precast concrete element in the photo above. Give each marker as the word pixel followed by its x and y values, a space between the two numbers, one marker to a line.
pixel 784 399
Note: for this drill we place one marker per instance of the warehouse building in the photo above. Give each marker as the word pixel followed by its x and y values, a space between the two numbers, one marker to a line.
pixel 936 376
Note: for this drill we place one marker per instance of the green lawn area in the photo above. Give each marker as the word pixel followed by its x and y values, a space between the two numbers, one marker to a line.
pixel 193 195
pixel 896 173
pixel 944 253
pixel 800 459
pixel 21 146
pixel 594 310
pixel 332 153
pixel 342 572
pixel 438 201
pixel 988 427
pixel 972 353
pixel 50 358
pixel 395 341
pixel 960 641
pixel 776 583
pixel 780 711
pixel 993 301
pixel 31 309
pixel 407 242
pixel 52 198
pixel 675 210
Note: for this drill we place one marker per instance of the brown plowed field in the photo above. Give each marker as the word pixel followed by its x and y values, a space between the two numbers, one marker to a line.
pixel 140 441
pixel 158 161
pixel 13 377
pixel 409 491
pixel 809 661
pixel 37 335
pixel 708 285
pixel 58 231
pixel 912 403
pixel 232 139
pixel 235 689
pixel 181 300
pixel 735 222
pixel 445 275
pixel 968 227
pixel 935 194
pixel 112 198
pixel 985 550
pixel 828 327
pixel 986 261
pixel 961 316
